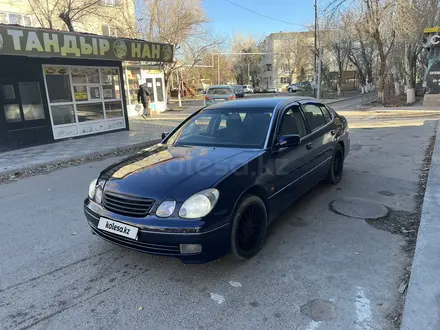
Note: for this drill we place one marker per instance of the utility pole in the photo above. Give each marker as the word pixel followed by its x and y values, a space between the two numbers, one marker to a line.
pixel 316 47
pixel 218 69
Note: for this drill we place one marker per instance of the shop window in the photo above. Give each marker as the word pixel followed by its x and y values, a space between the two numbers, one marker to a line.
pixel 134 76
pixel 80 93
pixel 110 84
pixel 89 111
pixel 31 100
pixel 8 92
pixel 95 93
pixel 63 114
pixel 113 109
pixel 12 113
pixel 58 84
pixel 159 90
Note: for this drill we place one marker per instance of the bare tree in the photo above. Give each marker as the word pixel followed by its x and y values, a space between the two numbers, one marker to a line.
pixel 181 23
pixel 412 16
pixel 49 12
pixel 376 17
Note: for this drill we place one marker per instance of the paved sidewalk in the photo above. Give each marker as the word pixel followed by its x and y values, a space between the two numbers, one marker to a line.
pixel 141 133
pixel 422 306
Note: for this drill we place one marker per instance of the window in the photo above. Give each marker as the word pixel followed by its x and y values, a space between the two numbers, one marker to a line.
pixel 326 113
pixel 62 114
pixel 31 100
pixel 111 2
pixel 293 123
pixel 12 112
pixel 314 116
pixel 7 92
pixel 58 84
pixel 89 111
pixel 240 128
pixel 108 30
pixel 284 80
pixel 14 18
pixel 83 95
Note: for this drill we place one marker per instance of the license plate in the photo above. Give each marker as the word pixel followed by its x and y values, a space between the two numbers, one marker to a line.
pixel 118 228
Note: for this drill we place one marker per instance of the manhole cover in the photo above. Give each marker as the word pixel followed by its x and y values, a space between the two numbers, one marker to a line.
pixel 359 208
pixel 319 310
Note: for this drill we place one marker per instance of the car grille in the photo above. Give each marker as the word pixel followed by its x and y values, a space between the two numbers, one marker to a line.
pixel 131 206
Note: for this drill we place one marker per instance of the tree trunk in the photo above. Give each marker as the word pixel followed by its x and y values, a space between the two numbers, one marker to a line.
pixel 396 81
pixel 411 70
pixel 381 89
pixel 66 19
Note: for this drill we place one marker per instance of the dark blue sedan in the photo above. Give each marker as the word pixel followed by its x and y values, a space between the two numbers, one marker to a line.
pixel 216 182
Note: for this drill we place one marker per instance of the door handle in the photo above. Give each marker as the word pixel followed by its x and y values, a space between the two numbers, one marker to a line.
pixel 309 145
pixel 333 132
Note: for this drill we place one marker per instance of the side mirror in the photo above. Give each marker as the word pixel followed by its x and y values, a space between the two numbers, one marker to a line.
pixel 288 141
pixel 164 135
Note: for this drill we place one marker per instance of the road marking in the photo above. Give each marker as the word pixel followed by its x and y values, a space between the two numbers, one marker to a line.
pixel 218 298
pixel 235 284
pixel 363 311
pixel 313 325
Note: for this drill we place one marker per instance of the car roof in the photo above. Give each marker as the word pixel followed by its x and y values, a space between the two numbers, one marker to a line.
pixel 266 102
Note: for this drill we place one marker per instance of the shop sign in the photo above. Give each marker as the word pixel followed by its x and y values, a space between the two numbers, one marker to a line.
pixel 47 43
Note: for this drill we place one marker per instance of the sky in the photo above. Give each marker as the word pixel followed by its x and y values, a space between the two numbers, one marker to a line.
pixel 227 18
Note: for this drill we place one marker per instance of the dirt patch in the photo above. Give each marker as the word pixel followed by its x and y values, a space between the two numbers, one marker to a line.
pixel 47 168
pixel 407 224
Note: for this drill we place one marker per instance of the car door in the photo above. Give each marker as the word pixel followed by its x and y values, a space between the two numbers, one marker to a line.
pixel 289 164
pixel 321 139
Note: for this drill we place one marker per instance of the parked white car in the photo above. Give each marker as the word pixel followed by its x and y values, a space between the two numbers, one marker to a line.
pixel 248 89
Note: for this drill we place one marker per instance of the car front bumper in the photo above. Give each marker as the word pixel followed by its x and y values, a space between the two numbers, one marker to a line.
pixel 165 241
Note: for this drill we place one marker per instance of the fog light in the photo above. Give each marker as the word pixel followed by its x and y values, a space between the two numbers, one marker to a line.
pixel 190 248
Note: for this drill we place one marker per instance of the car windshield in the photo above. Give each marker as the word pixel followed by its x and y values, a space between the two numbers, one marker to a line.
pixel 219 91
pixel 234 128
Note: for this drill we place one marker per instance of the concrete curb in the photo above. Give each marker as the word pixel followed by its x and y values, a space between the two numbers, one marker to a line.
pixel 422 305
pixel 87 156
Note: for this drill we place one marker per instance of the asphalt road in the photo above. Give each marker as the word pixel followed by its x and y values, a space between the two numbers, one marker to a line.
pixel 317 270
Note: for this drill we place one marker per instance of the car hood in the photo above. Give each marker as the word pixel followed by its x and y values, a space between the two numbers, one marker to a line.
pixel 165 171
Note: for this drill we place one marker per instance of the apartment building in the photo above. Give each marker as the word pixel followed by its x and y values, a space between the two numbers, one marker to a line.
pixel 289 59
pixel 115 18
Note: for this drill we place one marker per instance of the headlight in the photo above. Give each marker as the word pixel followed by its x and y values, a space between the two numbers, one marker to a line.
pixel 165 209
pixel 199 205
pixel 92 188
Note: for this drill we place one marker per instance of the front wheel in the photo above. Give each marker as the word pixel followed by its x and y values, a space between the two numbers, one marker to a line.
pixel 337 166
pixel 248 228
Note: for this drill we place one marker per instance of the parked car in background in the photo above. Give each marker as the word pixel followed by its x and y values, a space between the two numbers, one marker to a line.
pixel 302 86
pixel 220 93
pixel 270 90
pixel 248 89
pixel 217 181
pixel 238 90
pixel 292 88
pixel 258 90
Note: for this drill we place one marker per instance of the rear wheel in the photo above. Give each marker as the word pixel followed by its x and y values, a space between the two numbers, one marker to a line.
pixel 248 227
pixel 337 166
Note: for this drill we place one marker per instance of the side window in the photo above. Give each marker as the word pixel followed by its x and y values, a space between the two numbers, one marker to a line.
pixel 326 113
pixel 314 116
pixel 292 122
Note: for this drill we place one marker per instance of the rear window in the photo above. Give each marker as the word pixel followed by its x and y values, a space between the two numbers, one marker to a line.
pixel 219 91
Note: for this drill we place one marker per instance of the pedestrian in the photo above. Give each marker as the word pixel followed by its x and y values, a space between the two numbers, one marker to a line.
pixel 144 97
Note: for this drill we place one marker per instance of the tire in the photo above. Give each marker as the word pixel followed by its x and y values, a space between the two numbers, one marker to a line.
pixel 250 216
pixel 337 166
